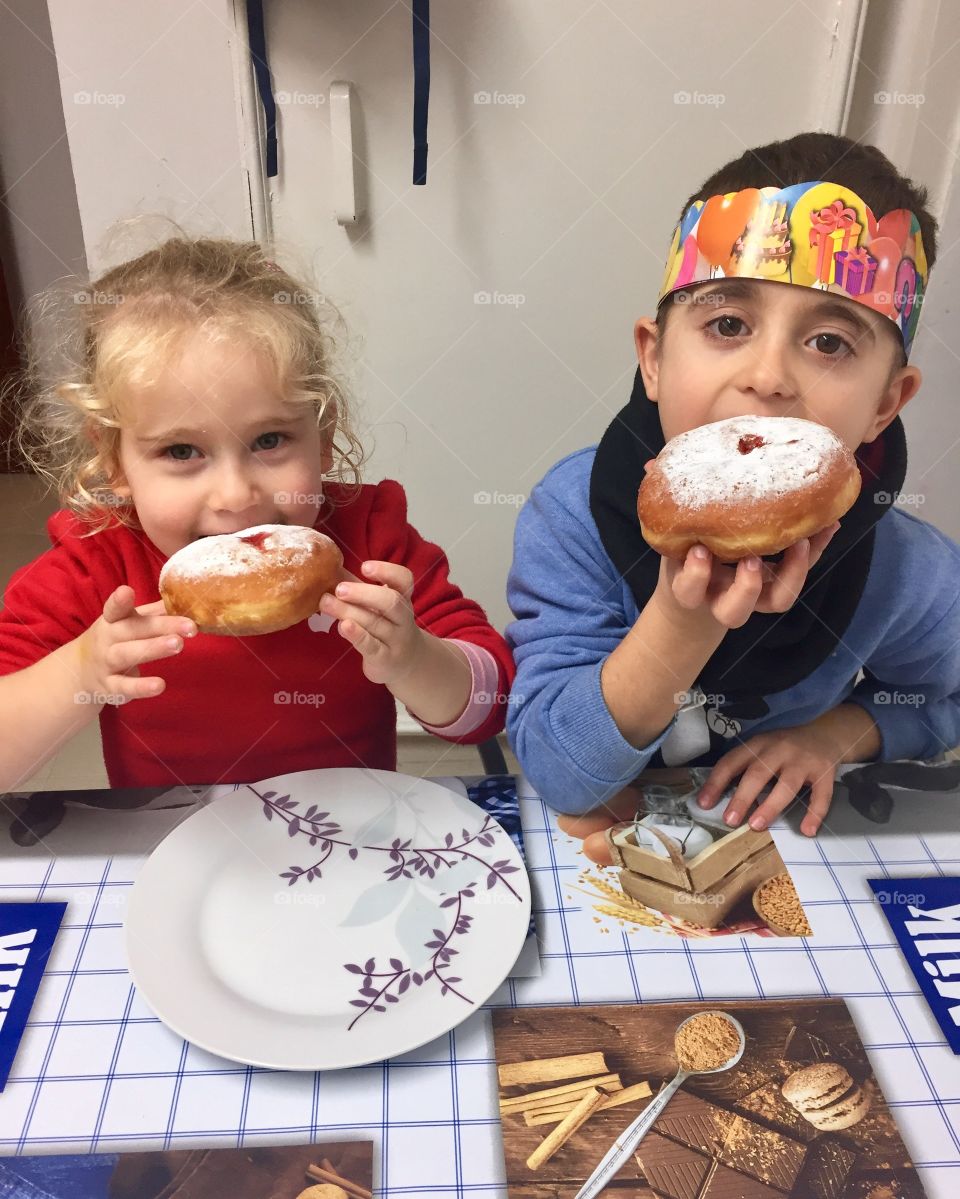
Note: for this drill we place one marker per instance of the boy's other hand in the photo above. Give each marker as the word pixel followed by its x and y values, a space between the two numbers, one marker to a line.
pixel 731 594
pixel 123 639
pixel 591 826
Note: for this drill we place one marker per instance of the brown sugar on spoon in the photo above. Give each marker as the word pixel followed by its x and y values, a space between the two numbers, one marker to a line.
pixel 706 1042
pixel 750 485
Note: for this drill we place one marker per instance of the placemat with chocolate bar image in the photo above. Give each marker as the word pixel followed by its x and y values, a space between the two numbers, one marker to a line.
pixel 326 1170
pixel 799 1115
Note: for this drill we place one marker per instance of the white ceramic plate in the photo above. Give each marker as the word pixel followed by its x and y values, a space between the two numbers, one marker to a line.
pixel 326 919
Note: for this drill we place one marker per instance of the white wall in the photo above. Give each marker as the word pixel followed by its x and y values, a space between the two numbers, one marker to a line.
pixel 39 221
pixel 567 199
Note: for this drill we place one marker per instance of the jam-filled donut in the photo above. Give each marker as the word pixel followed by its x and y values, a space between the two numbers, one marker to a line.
pixel 260 580
pixel 750 485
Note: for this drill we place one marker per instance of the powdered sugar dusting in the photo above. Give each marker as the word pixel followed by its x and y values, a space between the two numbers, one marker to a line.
pixel 709 464
pixel 229 554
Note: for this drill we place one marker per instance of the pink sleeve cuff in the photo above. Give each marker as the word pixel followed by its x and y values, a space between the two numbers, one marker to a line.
pixel 484 676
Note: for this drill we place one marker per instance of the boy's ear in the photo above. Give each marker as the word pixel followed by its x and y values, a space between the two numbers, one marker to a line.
pixel 902 387
pixel 646 338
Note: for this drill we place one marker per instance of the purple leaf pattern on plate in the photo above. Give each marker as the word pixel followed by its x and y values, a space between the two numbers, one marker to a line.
pixel 386 985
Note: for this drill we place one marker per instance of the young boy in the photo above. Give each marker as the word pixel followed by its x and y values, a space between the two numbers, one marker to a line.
pixel 628 661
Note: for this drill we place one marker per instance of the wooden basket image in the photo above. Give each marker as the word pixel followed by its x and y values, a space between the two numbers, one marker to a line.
pixel 702 889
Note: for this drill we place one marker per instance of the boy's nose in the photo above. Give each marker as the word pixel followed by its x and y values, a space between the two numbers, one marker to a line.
pixel 766 372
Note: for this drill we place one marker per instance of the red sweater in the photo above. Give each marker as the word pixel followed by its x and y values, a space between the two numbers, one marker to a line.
pixel 218 719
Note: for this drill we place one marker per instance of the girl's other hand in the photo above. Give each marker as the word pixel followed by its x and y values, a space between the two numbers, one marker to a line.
pixel 122 640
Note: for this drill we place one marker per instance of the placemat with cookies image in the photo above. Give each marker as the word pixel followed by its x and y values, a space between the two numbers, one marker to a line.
pixel 800 1114
pixel 326 1170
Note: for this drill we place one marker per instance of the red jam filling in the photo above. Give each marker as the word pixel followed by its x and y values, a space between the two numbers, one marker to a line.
pixel 256 539
pixel 748 442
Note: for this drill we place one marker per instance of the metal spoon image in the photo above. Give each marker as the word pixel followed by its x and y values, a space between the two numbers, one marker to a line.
pixel 634 1133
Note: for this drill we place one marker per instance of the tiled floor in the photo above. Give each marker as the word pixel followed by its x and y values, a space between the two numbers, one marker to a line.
pixel 23 514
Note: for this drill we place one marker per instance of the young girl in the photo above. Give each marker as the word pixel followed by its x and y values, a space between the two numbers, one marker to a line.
pixel 202 402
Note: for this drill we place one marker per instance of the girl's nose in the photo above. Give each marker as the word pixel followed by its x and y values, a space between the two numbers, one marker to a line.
pixel 233 490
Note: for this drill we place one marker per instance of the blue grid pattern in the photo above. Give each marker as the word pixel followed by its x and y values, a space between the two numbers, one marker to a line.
pixel 97 1072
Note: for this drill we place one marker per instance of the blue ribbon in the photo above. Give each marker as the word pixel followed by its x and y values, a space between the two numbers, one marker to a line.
pixel 261 69
pixel 421 87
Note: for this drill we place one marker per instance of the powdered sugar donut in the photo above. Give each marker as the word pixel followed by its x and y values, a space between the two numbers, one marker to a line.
pixel 747 485
pixel 259 580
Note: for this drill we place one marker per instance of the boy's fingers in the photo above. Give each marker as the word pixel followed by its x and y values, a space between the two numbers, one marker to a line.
pixel 595 847
pixel 752 782
pixel 362 618
pixel 820 541
pixel 780 797
pixel 135 687
pixel 735 607
pixel 619 807
pixel 363 641
pixel 692 578
pixel 821 796
pixel 786 578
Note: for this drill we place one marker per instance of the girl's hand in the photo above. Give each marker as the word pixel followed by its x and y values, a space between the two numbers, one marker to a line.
pixel 124 638
pixel 731 594
pixel 377 619
pixel 806 756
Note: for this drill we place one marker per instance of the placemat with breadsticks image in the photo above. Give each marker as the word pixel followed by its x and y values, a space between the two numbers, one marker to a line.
pixel 799 1115
pixel 326 1170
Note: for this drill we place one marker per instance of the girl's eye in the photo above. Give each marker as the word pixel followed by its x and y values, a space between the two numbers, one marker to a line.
pixel 270 441
pixel 831 344
pixel 180 452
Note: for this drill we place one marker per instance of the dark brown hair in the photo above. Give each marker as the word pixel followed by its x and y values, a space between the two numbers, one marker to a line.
pixel 830 157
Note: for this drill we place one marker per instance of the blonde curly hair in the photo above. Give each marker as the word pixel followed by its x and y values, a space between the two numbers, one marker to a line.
pixel 126 326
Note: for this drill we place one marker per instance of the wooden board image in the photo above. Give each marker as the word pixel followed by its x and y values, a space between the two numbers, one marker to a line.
pixel 325 1170
pixel 800 1115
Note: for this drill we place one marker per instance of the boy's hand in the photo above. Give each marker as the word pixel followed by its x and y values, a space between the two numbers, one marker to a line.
pixel 377 619
pixel 795 758
pixel 731 594
pixel 124 638
pixel 805 756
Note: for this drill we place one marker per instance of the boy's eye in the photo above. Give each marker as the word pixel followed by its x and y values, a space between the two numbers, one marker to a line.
pixel 180 452
pixel 831 344
pixel 270 441
pixel 728 326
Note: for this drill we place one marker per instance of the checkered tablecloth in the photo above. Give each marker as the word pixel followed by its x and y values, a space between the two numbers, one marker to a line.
pixel 98 1072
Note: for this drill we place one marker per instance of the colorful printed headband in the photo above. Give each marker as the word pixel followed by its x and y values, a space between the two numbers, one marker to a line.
pixel 819 235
